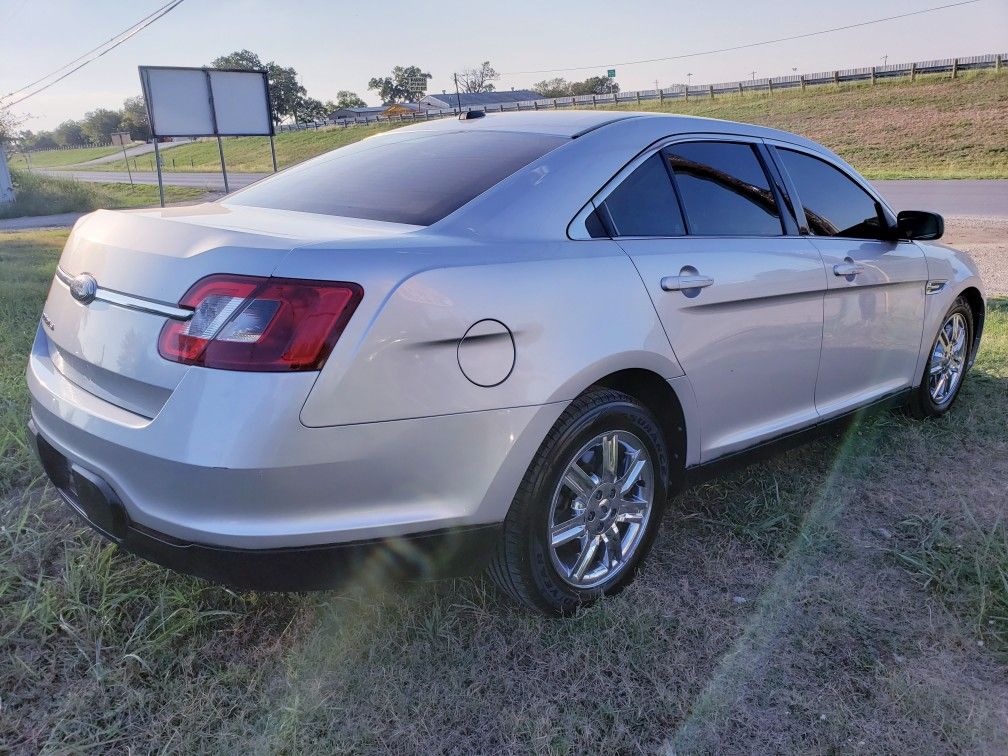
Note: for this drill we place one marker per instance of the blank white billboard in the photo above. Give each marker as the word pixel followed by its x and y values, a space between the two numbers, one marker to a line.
pixel 240 99
pixel 206 102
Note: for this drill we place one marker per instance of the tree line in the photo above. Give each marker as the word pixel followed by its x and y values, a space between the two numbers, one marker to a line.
pixel 290 99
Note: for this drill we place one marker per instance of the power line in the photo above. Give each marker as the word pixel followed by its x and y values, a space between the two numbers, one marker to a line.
pixel 745 46
pixel 105 47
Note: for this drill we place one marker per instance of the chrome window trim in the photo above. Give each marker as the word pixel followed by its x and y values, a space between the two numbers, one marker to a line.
pixel 129 301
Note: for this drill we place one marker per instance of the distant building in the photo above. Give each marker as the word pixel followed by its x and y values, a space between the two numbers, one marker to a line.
pixel 349 114
pixel 403 108
pixel 449 100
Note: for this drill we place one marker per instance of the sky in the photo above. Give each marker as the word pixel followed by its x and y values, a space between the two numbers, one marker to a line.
pixel 340 45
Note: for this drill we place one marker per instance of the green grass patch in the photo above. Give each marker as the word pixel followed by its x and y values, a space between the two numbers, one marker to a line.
pixel 46 195
pixel 60 158
pixel 966 563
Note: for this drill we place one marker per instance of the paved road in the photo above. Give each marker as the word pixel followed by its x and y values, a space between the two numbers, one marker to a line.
pixel 957 197
pixel 62 220
pixel 142 149
pixel 987 197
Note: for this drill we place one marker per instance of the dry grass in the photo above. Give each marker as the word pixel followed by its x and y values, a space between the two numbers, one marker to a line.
pixel 833 600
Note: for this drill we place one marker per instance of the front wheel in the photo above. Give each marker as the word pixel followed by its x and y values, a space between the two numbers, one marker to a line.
pixel 946 366
pixel 589 506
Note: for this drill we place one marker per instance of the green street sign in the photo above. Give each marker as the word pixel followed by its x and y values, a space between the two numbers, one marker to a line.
pixel 611 73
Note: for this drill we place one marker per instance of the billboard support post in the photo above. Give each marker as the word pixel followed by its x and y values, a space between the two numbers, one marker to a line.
pixel 273 153
pixel 157 162
pixel 223 167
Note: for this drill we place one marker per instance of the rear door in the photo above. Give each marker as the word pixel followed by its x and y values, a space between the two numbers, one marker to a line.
pixel 874 305
pixel 738 291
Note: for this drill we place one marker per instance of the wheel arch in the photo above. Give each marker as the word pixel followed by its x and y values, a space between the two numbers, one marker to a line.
pixel 658 395
pixel 976 304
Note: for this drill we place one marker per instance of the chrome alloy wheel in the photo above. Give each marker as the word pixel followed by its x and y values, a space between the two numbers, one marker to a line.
pixel 600 509
pixel 948 359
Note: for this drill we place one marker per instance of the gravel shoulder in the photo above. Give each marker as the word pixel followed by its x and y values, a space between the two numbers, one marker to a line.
pixel 986 241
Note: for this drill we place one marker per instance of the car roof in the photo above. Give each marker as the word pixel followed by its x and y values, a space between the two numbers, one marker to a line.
pixel 574 123
pixel 568 123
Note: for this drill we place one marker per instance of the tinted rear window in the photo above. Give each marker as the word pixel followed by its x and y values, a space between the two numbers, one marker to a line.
pixel 417 180
pixel 724 190
pixel 645 203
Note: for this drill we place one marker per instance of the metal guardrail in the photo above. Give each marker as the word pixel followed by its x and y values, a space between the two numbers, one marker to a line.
pixel 950 66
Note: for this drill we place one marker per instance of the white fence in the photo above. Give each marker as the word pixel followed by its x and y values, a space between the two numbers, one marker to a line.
pixel 951 66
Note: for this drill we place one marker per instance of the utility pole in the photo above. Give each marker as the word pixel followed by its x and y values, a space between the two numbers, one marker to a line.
pixel 753 75
pixel 6 185
pixel 458 96
pixel 656 87
pixel 689 79
pixel 885 59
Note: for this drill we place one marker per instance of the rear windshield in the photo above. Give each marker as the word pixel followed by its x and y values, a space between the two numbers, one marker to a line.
pixel 418 179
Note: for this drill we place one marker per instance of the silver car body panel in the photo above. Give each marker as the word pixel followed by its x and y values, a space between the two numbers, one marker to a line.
pixel 394 436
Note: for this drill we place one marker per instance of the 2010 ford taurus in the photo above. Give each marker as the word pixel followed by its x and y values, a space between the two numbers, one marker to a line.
pixel 504 339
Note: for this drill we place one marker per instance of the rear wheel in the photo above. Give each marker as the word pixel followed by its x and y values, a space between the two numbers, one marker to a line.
pixel 946 366
pixel 589 506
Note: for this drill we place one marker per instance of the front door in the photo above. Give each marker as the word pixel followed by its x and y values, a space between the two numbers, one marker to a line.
pixel 874 305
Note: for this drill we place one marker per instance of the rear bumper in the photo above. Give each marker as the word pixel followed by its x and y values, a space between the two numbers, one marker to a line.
pixel 445 552
pixel 227 463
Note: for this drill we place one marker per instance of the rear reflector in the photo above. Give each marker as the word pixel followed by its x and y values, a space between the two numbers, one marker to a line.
pixel 264 324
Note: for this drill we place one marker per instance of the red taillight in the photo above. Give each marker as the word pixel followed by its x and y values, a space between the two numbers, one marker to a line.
pixel 250 323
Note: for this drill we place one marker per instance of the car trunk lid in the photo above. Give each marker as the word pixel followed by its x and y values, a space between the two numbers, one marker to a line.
pixel 145 262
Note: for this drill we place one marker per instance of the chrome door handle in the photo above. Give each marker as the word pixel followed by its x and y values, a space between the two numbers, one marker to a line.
pixel 683 283
pixel 848 269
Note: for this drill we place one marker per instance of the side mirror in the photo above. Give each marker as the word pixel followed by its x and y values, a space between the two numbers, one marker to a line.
pixel 919 224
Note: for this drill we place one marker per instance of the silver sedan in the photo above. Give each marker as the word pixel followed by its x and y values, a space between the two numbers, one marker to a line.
pixel 501 340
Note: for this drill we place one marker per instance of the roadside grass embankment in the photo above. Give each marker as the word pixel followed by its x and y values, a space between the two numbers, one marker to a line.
pixel 47 195
pixel 849 596
pixel 934 127
pixel 60 158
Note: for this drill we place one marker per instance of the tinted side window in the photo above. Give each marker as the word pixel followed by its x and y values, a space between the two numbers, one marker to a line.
pixel 724 189
pixel 645 203
pixel 834 204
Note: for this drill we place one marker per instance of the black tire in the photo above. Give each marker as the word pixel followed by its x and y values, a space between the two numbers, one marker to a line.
pixel 922 405
pixel 522 565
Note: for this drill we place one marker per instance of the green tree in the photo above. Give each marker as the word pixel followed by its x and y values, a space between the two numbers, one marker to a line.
pixel 346 99
pixel 134 118
pixel 479 79
pixel 397 87
pixel 99 124
pixel 69 134
pixel 558 87
pixel 594 85
pixel 286 94
pixel 562 88
pixel 310 110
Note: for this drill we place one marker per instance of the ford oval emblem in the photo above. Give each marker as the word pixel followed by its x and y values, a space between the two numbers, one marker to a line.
pixel 83 288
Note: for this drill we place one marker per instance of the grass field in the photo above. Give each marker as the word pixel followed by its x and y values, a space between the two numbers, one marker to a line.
pixel 851 596
pixel 251 154
pixel 934 127
pixel 44 195
pixel 61 158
